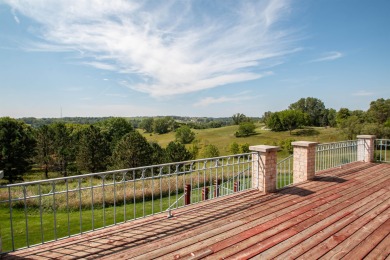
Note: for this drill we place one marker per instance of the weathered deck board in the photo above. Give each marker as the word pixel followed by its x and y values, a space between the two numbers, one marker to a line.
pixel 345 212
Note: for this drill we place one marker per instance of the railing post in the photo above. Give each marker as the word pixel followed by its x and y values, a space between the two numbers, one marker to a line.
pixel 217 182
pixel 366 148
pixel 205 193
pixel 264 167
pixel 236 186
pixel 187 197
pixel 304 160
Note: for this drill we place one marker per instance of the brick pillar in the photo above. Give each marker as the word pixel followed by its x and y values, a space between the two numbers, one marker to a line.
pixel 304 161
pixel 366 148
pixel 264 167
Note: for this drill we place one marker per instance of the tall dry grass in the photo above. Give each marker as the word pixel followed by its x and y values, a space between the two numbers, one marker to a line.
pixel 92 193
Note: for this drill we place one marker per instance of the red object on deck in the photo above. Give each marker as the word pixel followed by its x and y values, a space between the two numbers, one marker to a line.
pixel 187 196
pixel 205 193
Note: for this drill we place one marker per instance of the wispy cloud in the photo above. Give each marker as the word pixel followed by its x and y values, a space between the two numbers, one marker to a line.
pixel 15 17
pixel 100 65
pixel 116 95
pixel 166 48
pixel 207 101
pixel 362 93
pixel 329 56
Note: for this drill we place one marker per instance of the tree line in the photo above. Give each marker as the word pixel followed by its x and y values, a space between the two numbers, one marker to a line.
pixel 73 148
pixel 114 143
pixel 312 112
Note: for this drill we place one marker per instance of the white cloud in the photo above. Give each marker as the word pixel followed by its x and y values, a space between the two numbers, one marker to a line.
pixel 211 100
pixel 362 93
pixel 166 48
pixel 16 18
pixel 329 56
pixel 100 65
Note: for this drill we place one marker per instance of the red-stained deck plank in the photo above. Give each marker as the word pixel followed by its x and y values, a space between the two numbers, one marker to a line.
pixel 302 230
pixel 381 251
pixel 371 241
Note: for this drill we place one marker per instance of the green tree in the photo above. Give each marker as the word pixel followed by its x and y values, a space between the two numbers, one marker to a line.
pixel 265 116
pixel 239 118
pixel 379 110
pixel 313 107
pixel 63 147
pixel 342 114
pixel 45 148
pixel 161 125
pixel 184 135
pixel 273 122
pixel 177 152
pixel 114 129
pixel 291 119
pixel 332 117
pixel 245 148
pixel 351 126
pixel 172 124
pixel 158 154
pixel 133 150
pixel 94 150
pixel 147 124
pixel 234 148
pixel 194 149
pixel 246 129
pixel 17 146
pixel 210 150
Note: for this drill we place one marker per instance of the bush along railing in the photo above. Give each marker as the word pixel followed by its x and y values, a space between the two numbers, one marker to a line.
pixel 382 150
pixel 284 172
pixel 332 155
pixel 41 211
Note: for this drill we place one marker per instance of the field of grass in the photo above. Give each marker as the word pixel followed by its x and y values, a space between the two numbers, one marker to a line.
pixel 223 137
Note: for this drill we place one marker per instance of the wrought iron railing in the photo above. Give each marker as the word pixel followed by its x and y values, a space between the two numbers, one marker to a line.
pixel 41 211
pixel 284 172
pixel 332 155
pixel 382 150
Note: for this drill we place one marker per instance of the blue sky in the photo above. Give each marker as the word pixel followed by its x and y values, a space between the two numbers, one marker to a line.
pixel 190 58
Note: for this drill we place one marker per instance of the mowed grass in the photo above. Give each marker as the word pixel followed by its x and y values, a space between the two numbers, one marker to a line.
pixel 59 224
pixel 47 224
pixel 223 137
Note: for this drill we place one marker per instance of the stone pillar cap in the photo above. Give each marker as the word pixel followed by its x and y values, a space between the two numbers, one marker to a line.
pixel 366 136
pixel 264 148
pixel 304 143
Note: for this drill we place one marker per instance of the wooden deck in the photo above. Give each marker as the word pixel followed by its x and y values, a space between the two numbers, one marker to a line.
pixel 344 213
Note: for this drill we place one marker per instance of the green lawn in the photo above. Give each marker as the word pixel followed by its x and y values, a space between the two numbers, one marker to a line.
pixel 46 224
pixel 224 136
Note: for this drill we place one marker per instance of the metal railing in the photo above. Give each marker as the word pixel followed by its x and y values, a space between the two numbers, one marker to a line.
pixel 382 150
pixel 332 155
pixel 284 172
pixel 42 211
